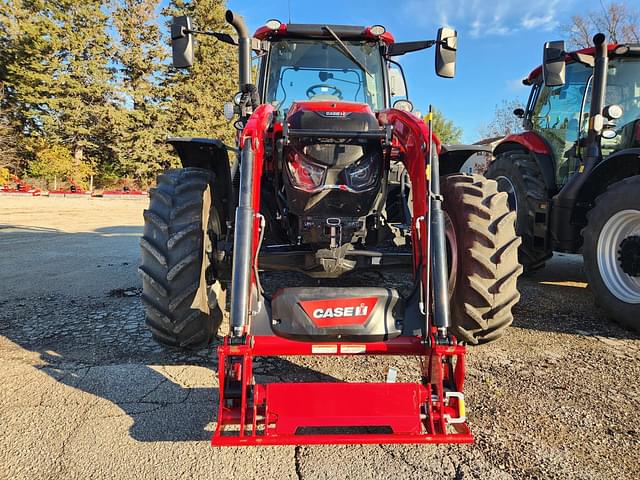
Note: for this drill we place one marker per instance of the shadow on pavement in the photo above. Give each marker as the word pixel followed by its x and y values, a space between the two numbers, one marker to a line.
pixel 99 344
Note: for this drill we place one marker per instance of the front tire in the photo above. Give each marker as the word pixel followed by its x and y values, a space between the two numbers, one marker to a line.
pixel 612 252
pixel 483 239
pixel 518 174
pixel 183 304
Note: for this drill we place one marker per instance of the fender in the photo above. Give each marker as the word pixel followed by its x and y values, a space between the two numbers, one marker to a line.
pixel 454 157
pixel 617 166
pixel 542 153
pixel 571 205
pixel 531 141
pixel 213 155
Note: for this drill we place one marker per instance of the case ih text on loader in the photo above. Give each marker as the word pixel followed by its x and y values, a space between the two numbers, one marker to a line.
pixel 318 143
pixel 573 176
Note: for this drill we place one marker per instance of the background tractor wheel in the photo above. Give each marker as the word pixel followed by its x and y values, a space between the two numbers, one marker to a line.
pixel 518 174
pixel 183 304
pixel 484 243
pixel 612 251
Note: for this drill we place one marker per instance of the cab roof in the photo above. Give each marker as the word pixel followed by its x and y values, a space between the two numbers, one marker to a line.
pixel 317 31
pixel 617 49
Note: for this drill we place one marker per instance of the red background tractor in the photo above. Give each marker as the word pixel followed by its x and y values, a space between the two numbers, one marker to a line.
pixel 573 176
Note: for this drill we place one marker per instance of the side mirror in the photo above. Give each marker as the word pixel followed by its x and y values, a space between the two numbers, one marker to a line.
pixel 446 48
pixel 553 64
pixel 182 42
pixel 519 112
pixel 396 83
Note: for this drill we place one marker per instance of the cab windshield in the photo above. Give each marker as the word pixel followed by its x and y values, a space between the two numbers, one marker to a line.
pixel 323 71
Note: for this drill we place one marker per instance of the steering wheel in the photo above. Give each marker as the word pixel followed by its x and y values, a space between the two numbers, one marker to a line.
pixel 335 91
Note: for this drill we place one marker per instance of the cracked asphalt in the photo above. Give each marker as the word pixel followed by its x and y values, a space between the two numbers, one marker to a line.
pixel 86 393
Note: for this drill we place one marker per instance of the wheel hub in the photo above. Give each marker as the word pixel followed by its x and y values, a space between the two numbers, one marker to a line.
pixel 618 254
pixel 629 255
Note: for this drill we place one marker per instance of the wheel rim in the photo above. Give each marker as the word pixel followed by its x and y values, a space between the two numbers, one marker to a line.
pixel 506 185
pixel 622 226
pixel 452 251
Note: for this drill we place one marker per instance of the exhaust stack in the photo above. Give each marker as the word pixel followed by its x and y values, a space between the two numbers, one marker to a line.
pixel 244 48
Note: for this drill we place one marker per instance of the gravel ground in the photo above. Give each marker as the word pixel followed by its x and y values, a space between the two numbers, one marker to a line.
pixel 86 393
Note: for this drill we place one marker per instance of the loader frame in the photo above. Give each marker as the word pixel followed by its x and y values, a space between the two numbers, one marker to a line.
pixel 251 413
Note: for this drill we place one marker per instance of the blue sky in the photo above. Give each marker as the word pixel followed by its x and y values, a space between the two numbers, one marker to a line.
pixel 499 43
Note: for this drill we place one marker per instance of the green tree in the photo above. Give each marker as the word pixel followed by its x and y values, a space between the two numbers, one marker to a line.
pixel 141 124
pixel 445 129
pixel 197 96
pixel 9 144
pixel 58 77
pixel 29 45
pixel 54 161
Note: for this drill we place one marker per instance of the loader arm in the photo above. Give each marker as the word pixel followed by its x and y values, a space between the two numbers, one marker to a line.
pixel 430 411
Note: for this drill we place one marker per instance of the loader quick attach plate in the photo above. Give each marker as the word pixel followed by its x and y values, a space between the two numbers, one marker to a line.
pixel 252 413
pixel 324 313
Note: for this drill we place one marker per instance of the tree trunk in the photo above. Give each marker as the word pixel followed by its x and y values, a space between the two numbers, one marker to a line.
pixel 78 154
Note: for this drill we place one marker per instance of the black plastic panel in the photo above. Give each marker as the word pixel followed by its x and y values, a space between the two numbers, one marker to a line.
pixel 336 313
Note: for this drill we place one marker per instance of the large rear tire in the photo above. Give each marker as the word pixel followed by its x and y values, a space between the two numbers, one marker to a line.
pixel 183 304
pixel 518 174
pixel 612 252
pixel 482 238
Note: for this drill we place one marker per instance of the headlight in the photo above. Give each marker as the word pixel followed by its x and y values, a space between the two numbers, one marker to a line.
pixel 363 174
pixel 305 175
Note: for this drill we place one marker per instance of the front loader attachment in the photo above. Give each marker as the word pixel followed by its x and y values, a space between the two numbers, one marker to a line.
pixel 340 413
pixel 315 323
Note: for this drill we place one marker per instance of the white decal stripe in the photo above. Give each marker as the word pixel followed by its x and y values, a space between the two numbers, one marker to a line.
pixel 353 348
pixel 324 348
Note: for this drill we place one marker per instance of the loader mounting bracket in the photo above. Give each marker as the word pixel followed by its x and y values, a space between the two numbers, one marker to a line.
pixel 253 413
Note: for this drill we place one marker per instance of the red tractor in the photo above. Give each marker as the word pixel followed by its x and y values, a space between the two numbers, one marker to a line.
pixel 326 167
pixel 573 175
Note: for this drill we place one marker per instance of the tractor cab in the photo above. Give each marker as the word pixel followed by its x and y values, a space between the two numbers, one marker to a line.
pixel 300 69
pixel 340 63
pixel 559 114
pixel 573 174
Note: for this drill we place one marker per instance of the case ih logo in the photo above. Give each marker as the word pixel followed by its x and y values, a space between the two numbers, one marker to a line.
pixel 339 312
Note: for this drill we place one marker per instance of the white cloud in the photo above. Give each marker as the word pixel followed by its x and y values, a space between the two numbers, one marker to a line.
pixel 545 22
pixel 516 85
pixel 483 17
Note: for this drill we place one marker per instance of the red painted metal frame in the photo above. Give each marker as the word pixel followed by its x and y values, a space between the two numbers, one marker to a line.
pixel 272 414
pixel 536 72
pixel 277 414
pixel 529 140
pixel 339 106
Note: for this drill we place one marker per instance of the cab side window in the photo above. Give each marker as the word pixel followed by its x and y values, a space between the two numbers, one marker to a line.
pixel 556 118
